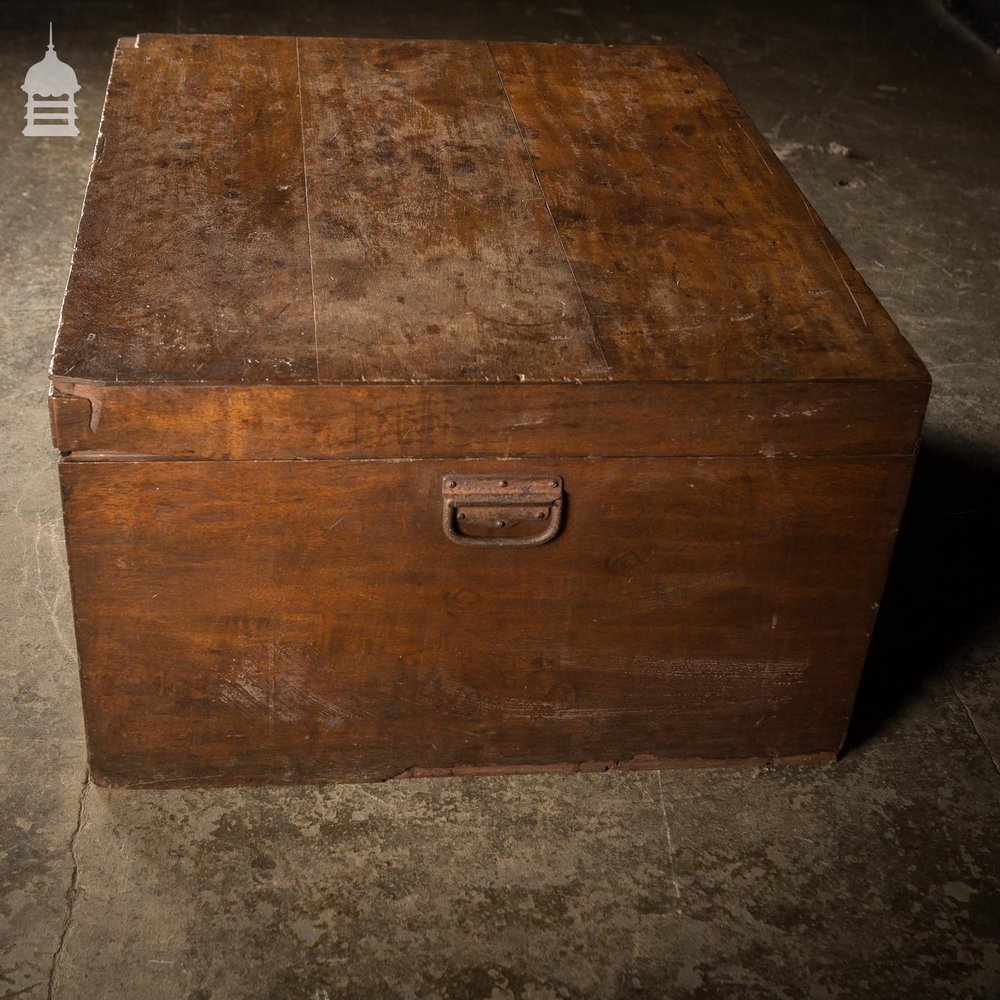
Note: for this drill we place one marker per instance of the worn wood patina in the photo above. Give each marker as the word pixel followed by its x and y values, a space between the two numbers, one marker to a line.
pixel 315 279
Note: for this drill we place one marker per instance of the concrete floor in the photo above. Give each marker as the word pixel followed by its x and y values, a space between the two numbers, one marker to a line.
pixel 875 877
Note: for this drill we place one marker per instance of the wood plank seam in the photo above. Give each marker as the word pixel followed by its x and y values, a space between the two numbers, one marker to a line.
pixel 305 188
pixel 548 209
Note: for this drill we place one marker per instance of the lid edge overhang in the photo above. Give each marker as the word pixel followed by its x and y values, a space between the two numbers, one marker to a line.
pixel 460 421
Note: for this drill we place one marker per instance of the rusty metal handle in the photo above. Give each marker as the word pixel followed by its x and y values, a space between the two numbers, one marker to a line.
pixel 550 532
pixel 502 502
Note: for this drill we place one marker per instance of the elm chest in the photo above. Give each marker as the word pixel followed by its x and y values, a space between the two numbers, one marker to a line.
pixel 446 407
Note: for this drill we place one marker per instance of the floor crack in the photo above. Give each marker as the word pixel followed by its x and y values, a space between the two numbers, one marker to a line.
pixel 972 722
pixel 71 891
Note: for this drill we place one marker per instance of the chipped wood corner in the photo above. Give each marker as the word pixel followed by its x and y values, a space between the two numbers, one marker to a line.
pixel 74 412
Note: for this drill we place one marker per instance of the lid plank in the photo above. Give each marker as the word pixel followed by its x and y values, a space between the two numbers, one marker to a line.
pixel 192 261
pixel 434 255
pixel 698 257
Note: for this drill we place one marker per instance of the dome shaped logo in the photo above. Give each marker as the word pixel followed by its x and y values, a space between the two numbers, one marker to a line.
pixel 50 85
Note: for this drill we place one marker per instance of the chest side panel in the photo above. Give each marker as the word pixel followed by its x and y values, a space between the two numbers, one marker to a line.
pixel 310 620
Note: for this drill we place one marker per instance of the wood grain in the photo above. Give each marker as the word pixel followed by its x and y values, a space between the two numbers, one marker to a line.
pixel 434 256
pixel 325 210
pixel 192 258
pixel 462 421
pixel 293 621
pixel 696 252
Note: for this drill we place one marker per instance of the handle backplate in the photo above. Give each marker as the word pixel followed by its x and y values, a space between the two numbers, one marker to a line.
pixel 493 505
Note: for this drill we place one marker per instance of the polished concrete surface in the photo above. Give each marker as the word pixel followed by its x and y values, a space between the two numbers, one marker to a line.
pixel 874 877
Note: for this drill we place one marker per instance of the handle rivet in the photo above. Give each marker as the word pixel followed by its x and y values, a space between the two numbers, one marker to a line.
pixel 452 484
pixel 554 484
pixel 541 515
pixel 501 524
pixel 503 482
pixel 461 517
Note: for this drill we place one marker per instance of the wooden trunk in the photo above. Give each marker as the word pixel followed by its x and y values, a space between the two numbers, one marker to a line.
pixel 445 407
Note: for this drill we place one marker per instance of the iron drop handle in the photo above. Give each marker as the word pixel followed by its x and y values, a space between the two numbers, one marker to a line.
pixel 501 502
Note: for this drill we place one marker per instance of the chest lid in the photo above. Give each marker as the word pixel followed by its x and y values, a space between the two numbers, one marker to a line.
pixel 285 212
